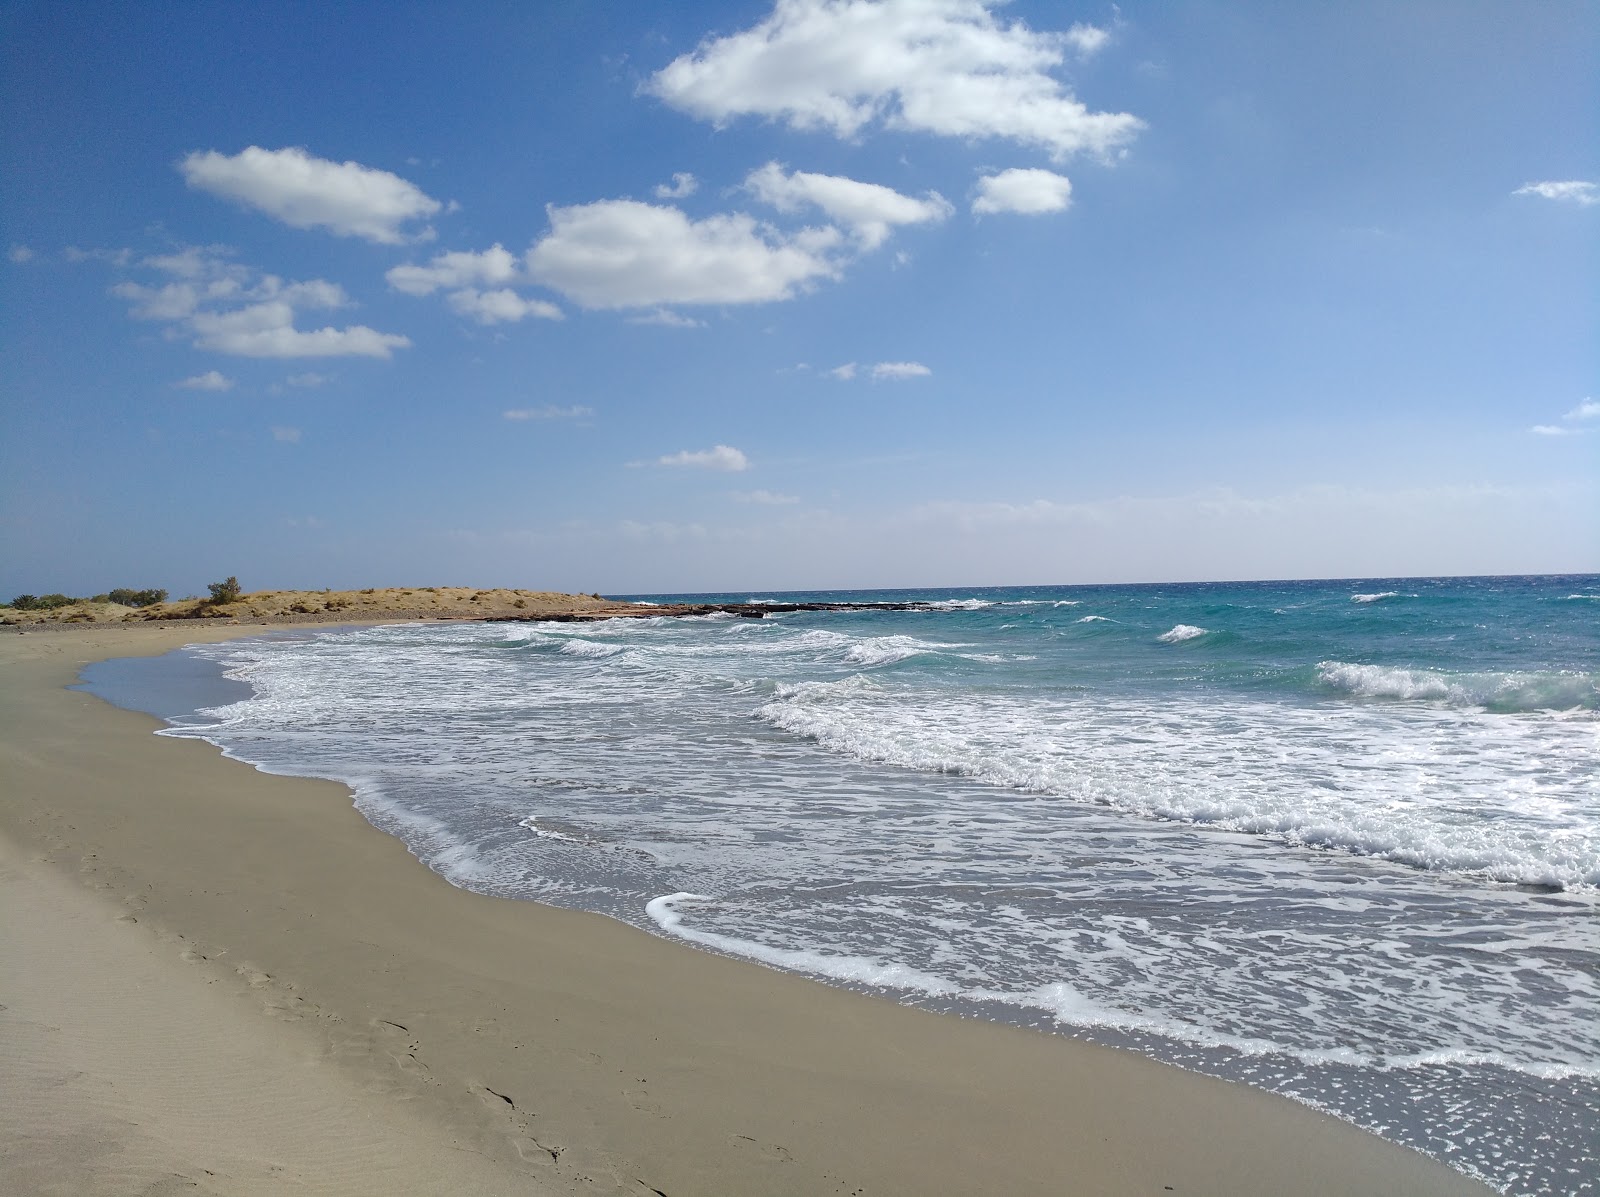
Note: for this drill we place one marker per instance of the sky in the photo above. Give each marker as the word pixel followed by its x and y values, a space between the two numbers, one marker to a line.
pixel 822 294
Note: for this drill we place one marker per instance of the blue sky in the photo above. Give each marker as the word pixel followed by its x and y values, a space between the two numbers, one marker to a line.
pixel 834 293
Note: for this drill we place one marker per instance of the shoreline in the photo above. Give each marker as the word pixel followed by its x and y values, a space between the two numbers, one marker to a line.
pixel 573 1051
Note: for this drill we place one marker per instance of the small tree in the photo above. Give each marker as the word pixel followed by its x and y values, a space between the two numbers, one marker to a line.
pixel 225 592
pixel 136 598
pixel 25 602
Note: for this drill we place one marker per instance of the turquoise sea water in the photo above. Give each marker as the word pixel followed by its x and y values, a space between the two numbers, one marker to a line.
pixel 1337 839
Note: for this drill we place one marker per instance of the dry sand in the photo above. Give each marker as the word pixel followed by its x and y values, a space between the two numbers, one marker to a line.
pixel 219 981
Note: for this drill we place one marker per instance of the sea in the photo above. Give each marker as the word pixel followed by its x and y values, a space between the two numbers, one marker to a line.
pixel 1336 839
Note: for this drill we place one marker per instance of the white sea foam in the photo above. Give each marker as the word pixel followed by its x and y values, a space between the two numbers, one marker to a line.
pixel 857 970
pixel 1510 691
pixel 1180 633
pixel 1107 619
pixel 1378 598
pixel 1180 764
pixel 588 648
pixel 548 833
pixel 887 650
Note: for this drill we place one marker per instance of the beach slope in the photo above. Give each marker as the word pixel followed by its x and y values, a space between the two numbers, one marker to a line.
pixel 221 981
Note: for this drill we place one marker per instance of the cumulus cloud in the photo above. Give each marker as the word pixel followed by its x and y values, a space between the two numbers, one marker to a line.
pixel 503 306
pixel 20 254
pixel 494 267
pixel 899 370
pixel 843 373
pixel 1571 191
pixel 718 457
pixel 550 412
pixel 945 67
pixel 1552 430
pixel 683 185
pixel 765 498
pixel 226 307
pixel 211 380
pixel 627 254
pixel 1030 192
pixel 869 210
pixel 305 192
pixel 1589 409
pixel 267 330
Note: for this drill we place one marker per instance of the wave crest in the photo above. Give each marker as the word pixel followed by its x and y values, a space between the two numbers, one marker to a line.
pixel 1505 692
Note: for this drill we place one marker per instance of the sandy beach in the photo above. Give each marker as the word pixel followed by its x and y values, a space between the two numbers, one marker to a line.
pixel 220 981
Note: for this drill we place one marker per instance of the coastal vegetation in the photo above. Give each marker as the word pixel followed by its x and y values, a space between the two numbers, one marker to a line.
pixel 228 600
pixel 122 597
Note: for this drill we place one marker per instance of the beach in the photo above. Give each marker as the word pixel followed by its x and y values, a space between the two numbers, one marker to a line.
pixel 219 980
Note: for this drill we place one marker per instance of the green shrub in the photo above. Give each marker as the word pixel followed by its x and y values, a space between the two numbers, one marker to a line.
pixel 136 598
pixel 227 591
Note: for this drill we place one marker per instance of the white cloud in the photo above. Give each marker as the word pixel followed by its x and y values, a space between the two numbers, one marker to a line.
pixel 117 257
pixel 1589 409
pixel 502 306
pixel 285 435
pixel 945 67
pixel 1552 430
pixel 667 318
pixel 1572 191
pixel 682 186
pixel 550 412
pixel 228 308
pixel 899 370
pixel 626 254
pixel 211 380
pixel 1028 191
pixel 494 267
pixel 20 254
pixel 765 498
pixel 1087 39
pixel 719 457
pixel 290 185
pixel 869 209
pixel 880 371
pixel 309 379
pixel 267 330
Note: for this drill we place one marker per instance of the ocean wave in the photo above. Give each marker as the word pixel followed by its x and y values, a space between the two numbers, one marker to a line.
pixel 1378 598
pixel 960 605
pixel 1182 632
pixel 1184 772
pixel 1105 619
pixel 887 650
pixel 1501 692
pixel 588 648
